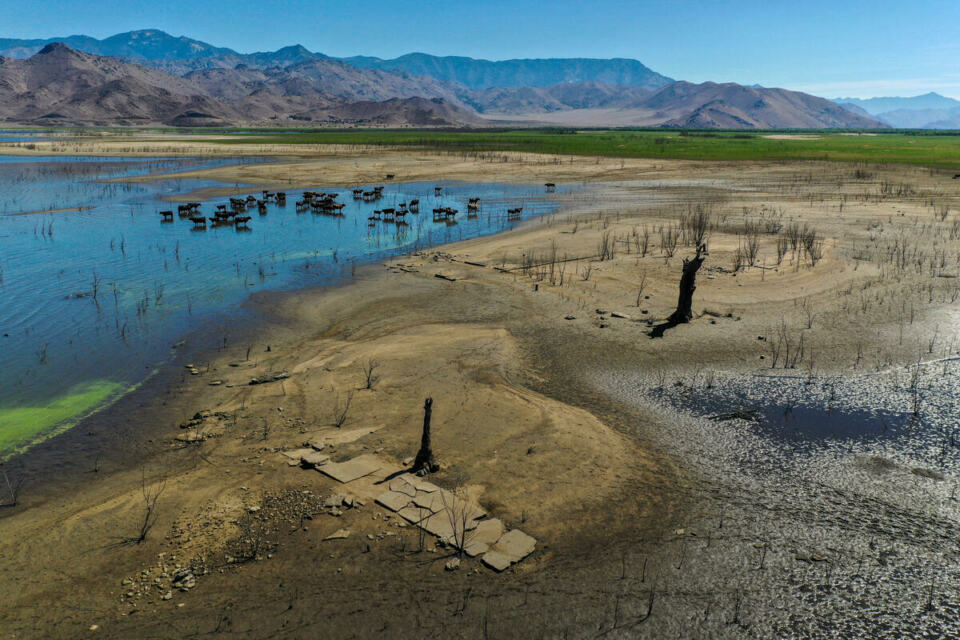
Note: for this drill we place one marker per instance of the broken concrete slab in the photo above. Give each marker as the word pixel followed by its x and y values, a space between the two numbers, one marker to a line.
pixel 326 437
pixel 442 525
pixel 433 502
pixel 474 549
pixel 296 454
pixel 515 544
pixel 496 560
pixel 414 515
pixel 425 486
pixel 439 524
pixel 351 469
pixel 479 540
pixel 314 459
pixel 393 500
pixel 487 531
pixel 403 485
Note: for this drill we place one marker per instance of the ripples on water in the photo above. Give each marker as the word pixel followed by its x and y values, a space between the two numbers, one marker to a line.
pixel 155 281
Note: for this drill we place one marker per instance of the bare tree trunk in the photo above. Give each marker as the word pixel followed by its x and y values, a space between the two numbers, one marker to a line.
pixel 688 284
pixel 425 461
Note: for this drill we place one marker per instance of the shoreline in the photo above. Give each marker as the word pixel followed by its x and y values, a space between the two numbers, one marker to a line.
pixel 482 327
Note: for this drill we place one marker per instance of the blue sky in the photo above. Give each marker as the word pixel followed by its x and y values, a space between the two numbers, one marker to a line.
pixel 831 48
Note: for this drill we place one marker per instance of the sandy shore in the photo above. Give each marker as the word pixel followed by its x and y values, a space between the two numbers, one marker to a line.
pixel 506 334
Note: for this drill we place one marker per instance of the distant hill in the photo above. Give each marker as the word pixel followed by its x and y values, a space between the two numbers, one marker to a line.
pixel 151 77
pixel 59 85
pixel 876 106
pixel 484 74
pixel 928 111
pixel 147 45
pixel 178 54
pixel 559 97
pixel 729 105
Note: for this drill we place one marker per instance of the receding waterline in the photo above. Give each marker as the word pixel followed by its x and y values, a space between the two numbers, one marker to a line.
pixel 97 293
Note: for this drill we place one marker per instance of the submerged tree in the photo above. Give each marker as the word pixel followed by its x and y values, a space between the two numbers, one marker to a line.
pixel 688 284
pixel 425 461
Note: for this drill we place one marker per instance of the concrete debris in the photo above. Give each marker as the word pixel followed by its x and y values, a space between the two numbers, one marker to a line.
pixel 351 469
pixel 496 560
pixel 515 544
pixel 393 500
pixel 314 459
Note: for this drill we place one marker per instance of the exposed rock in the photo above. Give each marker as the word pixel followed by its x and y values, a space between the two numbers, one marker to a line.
pixel 339 534
pixel 270 377
pixel 334 500
pixel 183 579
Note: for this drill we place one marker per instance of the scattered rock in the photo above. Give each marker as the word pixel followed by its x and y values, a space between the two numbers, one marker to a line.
pixel 617 314
pixel 339 534
pixel 269 377
pixel 570 317
pixel 334 500
pixel 452 565
pixel 183 579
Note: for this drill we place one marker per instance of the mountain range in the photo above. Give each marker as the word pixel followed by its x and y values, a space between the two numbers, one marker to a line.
pixel 150 77
pixel 927 111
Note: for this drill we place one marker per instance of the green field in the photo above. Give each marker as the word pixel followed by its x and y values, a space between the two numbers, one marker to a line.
pixel 913 147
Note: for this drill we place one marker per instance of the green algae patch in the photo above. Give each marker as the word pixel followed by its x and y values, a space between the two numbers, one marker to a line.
pixel 21 427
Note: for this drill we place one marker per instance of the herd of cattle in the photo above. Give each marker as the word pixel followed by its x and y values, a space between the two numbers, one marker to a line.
pixel 319 202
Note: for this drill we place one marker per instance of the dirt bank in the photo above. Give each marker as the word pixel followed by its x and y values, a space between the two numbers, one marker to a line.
pixel 506 334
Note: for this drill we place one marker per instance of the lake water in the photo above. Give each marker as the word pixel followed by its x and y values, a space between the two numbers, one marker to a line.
pixel 67 352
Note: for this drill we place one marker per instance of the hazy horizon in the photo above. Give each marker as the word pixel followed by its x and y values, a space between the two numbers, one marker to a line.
pixel 857 50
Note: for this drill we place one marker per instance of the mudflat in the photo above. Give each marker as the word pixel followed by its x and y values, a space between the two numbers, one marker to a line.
pixel 176 512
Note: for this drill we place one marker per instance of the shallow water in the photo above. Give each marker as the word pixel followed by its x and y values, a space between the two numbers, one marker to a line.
pixel 913 410
pixel 21 135
pixel 155 281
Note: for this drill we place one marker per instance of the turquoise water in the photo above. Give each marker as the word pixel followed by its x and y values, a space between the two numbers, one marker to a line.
pixel 67 350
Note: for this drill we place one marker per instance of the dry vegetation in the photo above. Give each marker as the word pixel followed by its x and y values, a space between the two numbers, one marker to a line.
pixel 815 267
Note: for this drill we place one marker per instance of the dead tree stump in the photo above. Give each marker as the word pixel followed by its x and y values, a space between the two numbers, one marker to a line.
pixel 425 462
pixel 688 284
